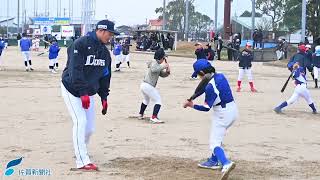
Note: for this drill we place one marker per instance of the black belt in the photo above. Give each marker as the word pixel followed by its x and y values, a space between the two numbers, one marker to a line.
pixel 223 104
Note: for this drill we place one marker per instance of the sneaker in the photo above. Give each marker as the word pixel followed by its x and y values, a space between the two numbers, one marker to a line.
pixel 238 89
pixel 226 169
pixel 253 90
pixel 117 70
pixel 155 120
pixel 89 167
pixel 210 164
pixel 277 110
pixel 314 112
pixel 27 69
pixel 31 69
pixel 140 117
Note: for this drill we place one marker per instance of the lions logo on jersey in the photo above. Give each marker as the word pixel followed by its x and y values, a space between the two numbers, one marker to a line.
pixel 92 61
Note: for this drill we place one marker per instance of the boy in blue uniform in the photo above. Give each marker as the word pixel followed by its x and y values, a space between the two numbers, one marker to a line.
pixel 117 53
pixel 2 46
pixel 25 45
pixel 218 96
pixel 53 55
pixel 300 81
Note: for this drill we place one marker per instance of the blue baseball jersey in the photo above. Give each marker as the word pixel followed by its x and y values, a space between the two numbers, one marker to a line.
pixel 299 75
pixel 117 50
pixel 25 44
pixel 54 51
pixel 217 93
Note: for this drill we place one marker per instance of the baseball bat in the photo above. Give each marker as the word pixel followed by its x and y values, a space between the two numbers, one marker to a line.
pixel 285 84
pixel 203 83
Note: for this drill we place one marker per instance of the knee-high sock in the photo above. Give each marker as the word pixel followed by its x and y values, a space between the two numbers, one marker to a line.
pixel 30 62
pixel 239 84
pixel 251 85
pixel 313 107
pixel 282 105
pixel 26 63
pixel 219 152
pixel 156 110
pixel 142 108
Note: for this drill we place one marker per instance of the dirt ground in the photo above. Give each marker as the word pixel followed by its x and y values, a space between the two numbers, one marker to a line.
pixel 34 124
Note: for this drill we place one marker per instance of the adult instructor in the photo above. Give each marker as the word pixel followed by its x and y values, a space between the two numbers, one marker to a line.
pixel 88 71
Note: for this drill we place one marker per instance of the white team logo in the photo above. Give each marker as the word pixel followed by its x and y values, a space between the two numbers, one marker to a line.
pixel 89 47
pixel 92 61
pixel 75 51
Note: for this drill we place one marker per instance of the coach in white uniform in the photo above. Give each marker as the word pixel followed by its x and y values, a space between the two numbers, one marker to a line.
pixel 88 72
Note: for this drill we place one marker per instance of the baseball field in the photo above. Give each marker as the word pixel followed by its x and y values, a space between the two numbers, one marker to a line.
pixel 35 125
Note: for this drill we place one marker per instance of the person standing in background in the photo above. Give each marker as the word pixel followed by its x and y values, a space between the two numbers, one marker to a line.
pixel 18 39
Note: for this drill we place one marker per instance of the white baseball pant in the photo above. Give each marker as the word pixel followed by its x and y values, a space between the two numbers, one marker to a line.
pixel 125 58
pixel 300 91
pixel 26 55
pixel 83 125
pixel 150 93
pixel 316 71
pixel 118 59
pixel 221 120
pixel 52 62
pixel 248 72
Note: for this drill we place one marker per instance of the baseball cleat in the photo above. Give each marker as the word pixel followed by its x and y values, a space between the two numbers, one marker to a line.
pixel 31 69
pixel 210 164
pixel 253 90
pixel 277 110
pixel 139 117
pixel 226 169
pixel 53 71
pixel 89 167
pixel 155 120
pixel 314 112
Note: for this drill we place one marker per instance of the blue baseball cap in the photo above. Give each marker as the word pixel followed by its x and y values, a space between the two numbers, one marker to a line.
pixel 200 65
pixel 107 25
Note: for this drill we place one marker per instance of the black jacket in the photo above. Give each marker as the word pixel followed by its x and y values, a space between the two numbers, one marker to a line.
pixel 88 69
pixel 245 59
pixel 316 61
pixel 301 58
pixel 200 53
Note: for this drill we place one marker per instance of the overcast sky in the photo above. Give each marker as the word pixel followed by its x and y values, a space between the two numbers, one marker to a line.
pixel 128 12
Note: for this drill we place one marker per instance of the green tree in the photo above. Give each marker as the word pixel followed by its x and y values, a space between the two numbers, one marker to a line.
pixel 176 15
pixel 272 8
pixel 249 14
pixel 292 16
pixel 313 18
pixel 200 24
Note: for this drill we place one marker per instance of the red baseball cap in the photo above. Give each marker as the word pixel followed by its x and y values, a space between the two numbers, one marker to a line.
pixel 302 48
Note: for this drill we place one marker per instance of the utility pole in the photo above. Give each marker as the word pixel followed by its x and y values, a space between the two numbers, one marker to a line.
pixel 216 16
pixel 18 15
pixel 8 19
pixel 227 19
pixel 253 16
pixel 164 15
pixel 187 20
pixel 303 20
pixel 70 9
